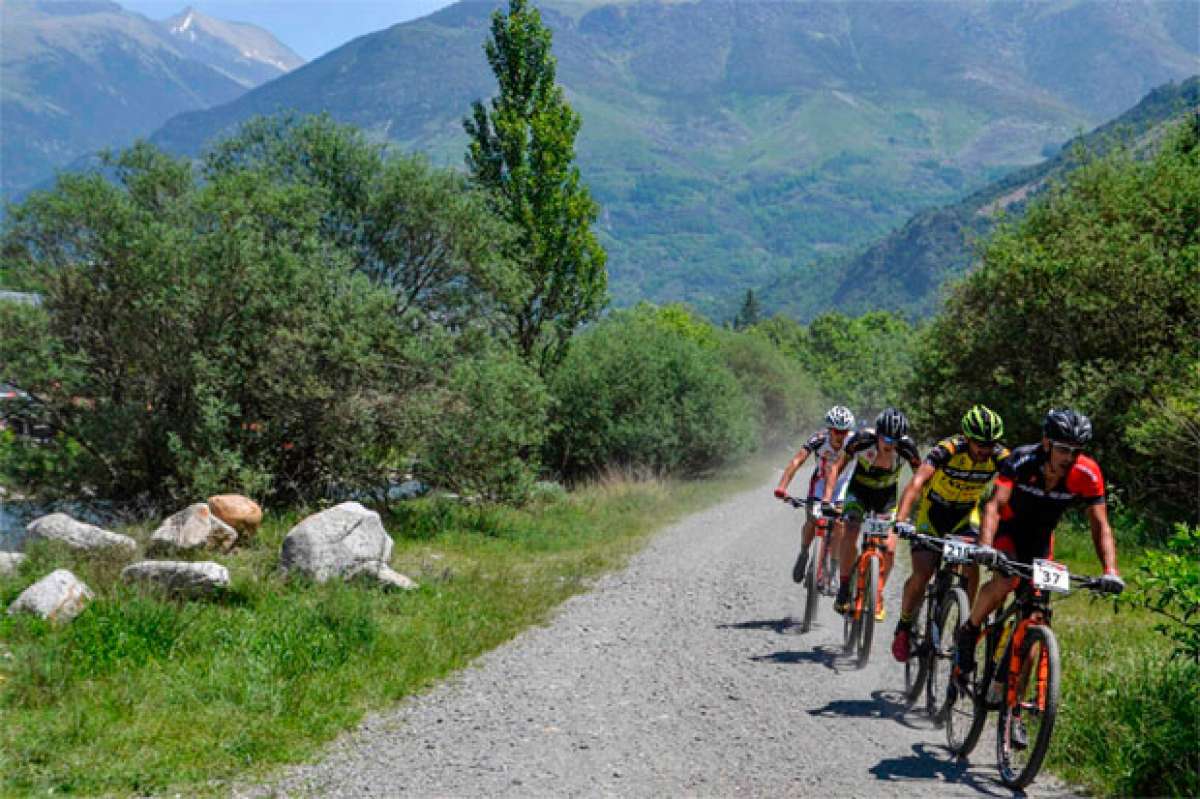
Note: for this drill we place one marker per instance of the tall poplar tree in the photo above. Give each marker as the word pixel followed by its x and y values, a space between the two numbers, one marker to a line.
pixel 523 151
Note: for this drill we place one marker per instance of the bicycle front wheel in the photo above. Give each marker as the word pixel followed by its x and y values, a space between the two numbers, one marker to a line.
pixel 1027 715
pixel 966 708
pixel 954 611
pixel 812 583
pixel 866 615
pixel 850 622
pixel 916 667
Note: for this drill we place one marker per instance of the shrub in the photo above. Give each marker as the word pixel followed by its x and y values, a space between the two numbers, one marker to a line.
pixel 1168 583
pixel 633 393
pixel 198 336
pixel 490 429
pixel 783 396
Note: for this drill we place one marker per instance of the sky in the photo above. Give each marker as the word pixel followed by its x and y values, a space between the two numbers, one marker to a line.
pixel 310 27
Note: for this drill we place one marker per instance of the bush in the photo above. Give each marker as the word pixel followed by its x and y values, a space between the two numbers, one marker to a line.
pixel 785 399
pixel 490 429
pixel 634 393
pixel 198 337
pixel 1168 584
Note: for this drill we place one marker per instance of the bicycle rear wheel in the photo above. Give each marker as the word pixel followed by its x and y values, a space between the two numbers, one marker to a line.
pixel 811 583
pixel 966 710
pixel 954 611
pixel 1026 724
pixel 866 617
pixel 917 666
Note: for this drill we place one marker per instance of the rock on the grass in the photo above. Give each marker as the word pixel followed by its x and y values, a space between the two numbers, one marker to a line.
pixel 77 534
pixel 59 597
pixel 180 578
pixel 336 543
pixel 194 527
pixel 241 513
pixel 383 575
pixel 10 562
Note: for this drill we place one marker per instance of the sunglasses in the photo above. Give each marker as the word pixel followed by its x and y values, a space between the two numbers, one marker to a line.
pixel 986 446
pixel 887 440
pixel 1069 449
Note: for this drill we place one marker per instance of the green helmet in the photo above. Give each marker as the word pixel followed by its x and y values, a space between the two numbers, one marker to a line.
pixel 982 424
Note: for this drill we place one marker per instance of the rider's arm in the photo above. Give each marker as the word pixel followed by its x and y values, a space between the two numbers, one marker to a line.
pixel 792 468
pixel 913 490
pixel 1102 536
pixel 991 512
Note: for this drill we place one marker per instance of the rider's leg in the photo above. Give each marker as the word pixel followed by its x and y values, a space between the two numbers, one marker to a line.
pixel 807 535
pixel 972 582
pixel 889 557
pixel 806 538
pixel 924 563
pixel 849 548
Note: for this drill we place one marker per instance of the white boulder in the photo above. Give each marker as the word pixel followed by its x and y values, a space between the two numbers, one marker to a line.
pixel 10 562
pixel 180 578
pixel 59 597
pixel 383 576
pixel 194 527
pixel 337 542
pixel 77 534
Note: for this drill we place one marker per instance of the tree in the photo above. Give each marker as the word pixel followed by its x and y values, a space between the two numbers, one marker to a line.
pixel 1091 300
pixel 749 314
pixel 523 152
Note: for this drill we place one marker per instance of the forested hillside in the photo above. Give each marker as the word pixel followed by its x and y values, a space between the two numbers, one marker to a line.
pixel 906 270
pixel 731 142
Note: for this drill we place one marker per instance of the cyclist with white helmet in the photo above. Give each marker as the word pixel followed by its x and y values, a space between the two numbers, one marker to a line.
pixel 875 455
pixel 825 446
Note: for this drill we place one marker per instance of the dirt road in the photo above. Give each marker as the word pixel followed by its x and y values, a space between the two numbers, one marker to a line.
pixel 680 675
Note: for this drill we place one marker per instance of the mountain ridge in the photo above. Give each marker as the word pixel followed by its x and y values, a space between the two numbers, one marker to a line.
pixel 730 143
pixel 77 76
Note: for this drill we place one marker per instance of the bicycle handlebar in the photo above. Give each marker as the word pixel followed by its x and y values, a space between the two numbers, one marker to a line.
pixel 1013 568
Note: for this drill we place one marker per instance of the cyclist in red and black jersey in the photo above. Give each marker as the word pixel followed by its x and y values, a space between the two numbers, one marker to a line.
pixel 1035 485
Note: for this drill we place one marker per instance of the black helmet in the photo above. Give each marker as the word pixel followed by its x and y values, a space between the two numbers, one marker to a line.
pixel 1067 426
pixel 891 423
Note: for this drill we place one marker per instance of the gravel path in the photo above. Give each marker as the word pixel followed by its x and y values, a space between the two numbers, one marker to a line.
pixel 680 675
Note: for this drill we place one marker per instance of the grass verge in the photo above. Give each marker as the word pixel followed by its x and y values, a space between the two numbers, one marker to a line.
pixel 141 694
pixel 1129 719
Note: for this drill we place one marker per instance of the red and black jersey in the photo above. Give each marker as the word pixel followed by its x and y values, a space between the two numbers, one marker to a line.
pixel 1035 510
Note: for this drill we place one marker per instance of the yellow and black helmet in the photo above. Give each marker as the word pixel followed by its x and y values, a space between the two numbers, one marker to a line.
pixel 982 424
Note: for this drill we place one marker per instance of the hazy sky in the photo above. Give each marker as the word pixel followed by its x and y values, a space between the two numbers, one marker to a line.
pixel 310 27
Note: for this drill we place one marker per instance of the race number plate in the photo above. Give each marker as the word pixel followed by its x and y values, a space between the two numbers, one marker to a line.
pixel 881 527
pixel 1051 576
pixel 955 551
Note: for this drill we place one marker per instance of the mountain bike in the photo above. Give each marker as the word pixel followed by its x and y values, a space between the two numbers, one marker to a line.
pixel 1018 676
pixel 866 587
pixel 944 607
pixel 819 575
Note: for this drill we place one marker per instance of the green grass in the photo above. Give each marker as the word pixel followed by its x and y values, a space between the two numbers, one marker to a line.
pixel 1129 720
pixel 142 694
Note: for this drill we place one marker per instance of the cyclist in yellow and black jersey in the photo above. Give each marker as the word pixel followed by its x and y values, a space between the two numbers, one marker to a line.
pixel 945 489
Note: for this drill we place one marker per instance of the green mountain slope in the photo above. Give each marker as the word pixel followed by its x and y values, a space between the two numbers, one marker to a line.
pixel 731 141
pixel 905 270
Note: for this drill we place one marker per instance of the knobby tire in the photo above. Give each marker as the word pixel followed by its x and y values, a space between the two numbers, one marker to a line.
pixel 867 617
pixel 1039 639
pixel 953 612
pixel 813 590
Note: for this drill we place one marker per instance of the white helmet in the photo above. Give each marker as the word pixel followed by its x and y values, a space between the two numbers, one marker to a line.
pixel 839 418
